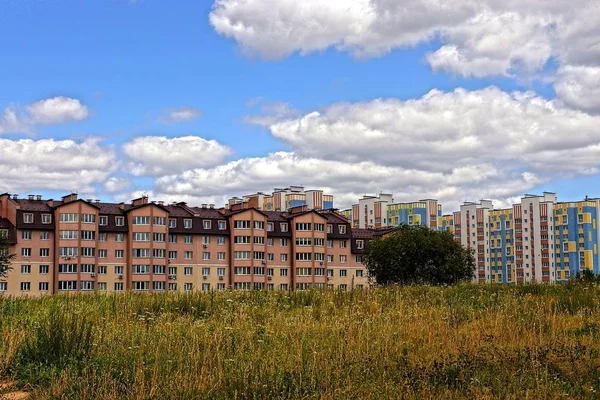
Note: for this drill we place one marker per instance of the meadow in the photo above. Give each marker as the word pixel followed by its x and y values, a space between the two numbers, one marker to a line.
pixel 465 341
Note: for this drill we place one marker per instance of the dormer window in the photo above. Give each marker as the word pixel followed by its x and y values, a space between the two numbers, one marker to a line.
pixel 28 218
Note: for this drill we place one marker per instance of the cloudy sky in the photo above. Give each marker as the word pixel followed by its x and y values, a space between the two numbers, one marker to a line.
pixel 201 100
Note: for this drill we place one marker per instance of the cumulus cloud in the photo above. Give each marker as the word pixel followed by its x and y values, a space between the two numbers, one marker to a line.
pixel 478 37
pixel 32 164
pixel 579 87
pixel 116 184
pixel 181 114
pixel 159 155
pixel 56 110
pixel 270 113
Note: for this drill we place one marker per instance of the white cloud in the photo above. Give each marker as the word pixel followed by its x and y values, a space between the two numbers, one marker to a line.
pixel 270 113
pixel 50 164
pixel 479 37
pixel 181 114
pixel 579 87
pixel 57 110
pixel 116 184
pixel 159 155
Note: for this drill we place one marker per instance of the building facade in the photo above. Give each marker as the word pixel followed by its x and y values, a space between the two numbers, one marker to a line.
pixel 76 245
pixel 285 198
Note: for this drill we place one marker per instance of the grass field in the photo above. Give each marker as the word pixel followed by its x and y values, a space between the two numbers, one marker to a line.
pixel 414 342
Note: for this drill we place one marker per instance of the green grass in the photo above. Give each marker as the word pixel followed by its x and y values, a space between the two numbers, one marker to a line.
pixel 465 341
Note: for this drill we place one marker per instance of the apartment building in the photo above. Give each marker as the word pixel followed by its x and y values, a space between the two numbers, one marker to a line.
pixel 76 245
pixel 285 198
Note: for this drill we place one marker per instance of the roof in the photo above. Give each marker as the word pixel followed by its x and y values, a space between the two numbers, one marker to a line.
pixel 209 213
pixel 12 235
pixel 35 205
pixel 113 208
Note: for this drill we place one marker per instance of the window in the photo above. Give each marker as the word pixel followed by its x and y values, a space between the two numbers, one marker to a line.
pixel 141 285
pixel 303 271
pixel 160 221
pixel 222 225
pixel 88 235
pixel 283 242
pixel 187 239
pixel 269 227
pixel 44 252
pixel 119 237
pixel 329 228
pixel 172 223
pixel 221 255
pixel 303 226
pixel 87 268
pixel 221 240
pixel 140 269
pixel 359 259
pixel 259 240
pixel 102 237
pixel 159 253
pixel 44 235
pixel 283 286
pixel 206 224
pixel 343 287
pixel 26 269
pixel 68 235
pixel 342 229
pixel 205 271
pixel 141 253
pixel 342 244
pixel 119 221
pixel 141 236
pixel 205 255
pixel 172 286
pixel 283 257
pixel 329 257
pixel 241 255
pixel 303 242
pixel 206 287
pixel 319 271
pixel 103 220
pixel 270 257
pixel 359 273
pixel 172 238
pixel 102 269
pixel 88 218
pixel 46 218
pixel 67 268
pixel 242 285
pixel 67 285
pixel 25 252
pixel 241 239
pixel 319 256
pixel 119 253
pixel 187 271
pixel 44 269
pixel 43 286
pixel 102 253
pixel 187 223
pixel 343 273
pixel 270 272
pixel 159 237
pixel 329 243
pixel 259 255
pixel 28 218
pixel 283 226
pixel 242 224
pixel 3 286
pixel 360 244
pixel 69 217
pixel 159 269
pixel 303 256
pixel 319 242
pixel 241 270
pixel 141 220
pixel 118 286
pixel 26 235
pixel 342 258
pixel 188 255
pixel 172 255
pixel 25 286
pixel 259 270
pixel 173 271
pixel 259 225
pixel 319 227
pixel 87 285
pixel 221 271
pixel 88 252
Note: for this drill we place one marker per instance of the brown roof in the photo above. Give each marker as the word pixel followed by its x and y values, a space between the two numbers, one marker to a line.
pixel 12 234
pixel 35 205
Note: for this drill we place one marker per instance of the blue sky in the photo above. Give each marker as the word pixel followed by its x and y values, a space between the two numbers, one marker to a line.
pixel 131 63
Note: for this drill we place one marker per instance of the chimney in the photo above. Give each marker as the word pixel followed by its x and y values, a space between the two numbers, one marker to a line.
pixel 30 197
pixel 38 197
pixel 204 205
pixel 121 206
pixel 50 202
pixel 89 200
pixel 97 201
pixel 15 196
pixel 211 206
pixel 70 197
pixel 161 202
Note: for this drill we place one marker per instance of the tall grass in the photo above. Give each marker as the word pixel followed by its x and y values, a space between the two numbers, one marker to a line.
pixel 464 341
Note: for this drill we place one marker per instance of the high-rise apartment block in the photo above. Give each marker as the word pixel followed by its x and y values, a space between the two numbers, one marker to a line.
pixel 283 199
pixel 76 245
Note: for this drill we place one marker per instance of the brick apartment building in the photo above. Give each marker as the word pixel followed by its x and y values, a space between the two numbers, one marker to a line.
pixel 76 245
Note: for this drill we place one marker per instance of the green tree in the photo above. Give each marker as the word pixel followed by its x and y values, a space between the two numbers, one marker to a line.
pixel 419 255
pixel 6 256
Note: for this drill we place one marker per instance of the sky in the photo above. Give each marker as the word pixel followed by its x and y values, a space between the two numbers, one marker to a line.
pixel 202 100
